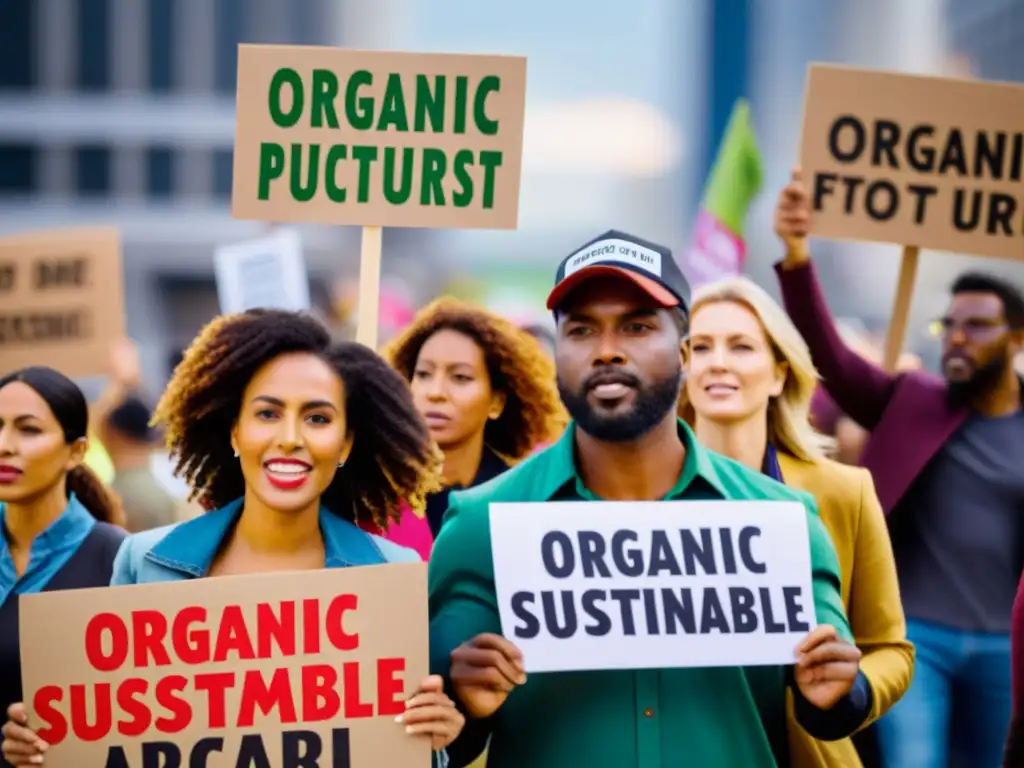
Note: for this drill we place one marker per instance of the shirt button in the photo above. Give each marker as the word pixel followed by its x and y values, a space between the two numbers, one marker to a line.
pixel 648 712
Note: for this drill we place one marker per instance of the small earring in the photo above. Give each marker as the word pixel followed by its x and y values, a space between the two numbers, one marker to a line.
pixel 341 464
pixel 236 454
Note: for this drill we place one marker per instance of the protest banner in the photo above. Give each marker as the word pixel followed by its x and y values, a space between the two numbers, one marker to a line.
pixel 268 272
pixel 378 139
pixel 62 299
pixel 637 585
pixel 924 162
pixel 283 670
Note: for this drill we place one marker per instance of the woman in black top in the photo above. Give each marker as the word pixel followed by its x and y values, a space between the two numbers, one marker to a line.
pixel 58 520
pixel 485 388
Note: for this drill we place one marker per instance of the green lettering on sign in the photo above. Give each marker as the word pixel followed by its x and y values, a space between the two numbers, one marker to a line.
pixel 335 154
pixel 301 193
pixel 464 196
pixel 365 156
pixel 271 167
pixel 434 167
pixel 325 91
pixel 490 161
pixel 400 195
pixel 430 104
pixel 484 124
pixel 461 89
pixel 359 109
pixel 281 78
pixel 392 112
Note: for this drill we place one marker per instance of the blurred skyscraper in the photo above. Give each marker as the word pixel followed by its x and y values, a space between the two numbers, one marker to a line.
pixel 122 112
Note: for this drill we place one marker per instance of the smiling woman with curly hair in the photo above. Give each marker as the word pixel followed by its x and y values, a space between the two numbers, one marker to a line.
pixel 485 388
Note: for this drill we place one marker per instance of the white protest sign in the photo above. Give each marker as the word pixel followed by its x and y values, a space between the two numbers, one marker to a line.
pixel 647 585
pixel 267 273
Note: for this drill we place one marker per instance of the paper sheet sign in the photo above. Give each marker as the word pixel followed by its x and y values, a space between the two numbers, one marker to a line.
pixel 634 585
pixel 267 273
pixel 285 670
pixel 924 161
pixel 370 138
pixel 61 299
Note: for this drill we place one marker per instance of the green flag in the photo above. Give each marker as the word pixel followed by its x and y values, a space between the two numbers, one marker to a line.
pixel 735 179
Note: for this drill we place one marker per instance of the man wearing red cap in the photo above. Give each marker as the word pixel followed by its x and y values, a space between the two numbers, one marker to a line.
pixel 620 305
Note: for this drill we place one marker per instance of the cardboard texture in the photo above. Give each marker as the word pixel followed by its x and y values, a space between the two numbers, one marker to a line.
pixel 145 694
pixel 395 139
pixel 61 299
pixel 931 162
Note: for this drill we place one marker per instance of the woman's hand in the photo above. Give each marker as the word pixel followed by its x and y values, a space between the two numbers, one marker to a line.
pixel 431 712
pixel 21 745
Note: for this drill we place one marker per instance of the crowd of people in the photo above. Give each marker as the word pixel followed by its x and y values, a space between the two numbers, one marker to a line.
pixel 303 453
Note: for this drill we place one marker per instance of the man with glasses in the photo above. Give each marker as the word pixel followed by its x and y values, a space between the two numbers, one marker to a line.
pixel 947 456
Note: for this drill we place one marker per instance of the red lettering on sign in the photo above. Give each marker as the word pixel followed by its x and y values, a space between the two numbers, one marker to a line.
pixel 149 629
pixel 168 696
pixel 115 629
pixel 129 703
pixel 334 623
pixel 192 646
pixel 232 636
pixel 390 687
pixel 54 728
pixel 256 693
pixel 318 683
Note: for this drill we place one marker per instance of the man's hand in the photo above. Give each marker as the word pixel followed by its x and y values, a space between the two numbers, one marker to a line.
pixel 484 671
pixel 826 667
pixel 793 219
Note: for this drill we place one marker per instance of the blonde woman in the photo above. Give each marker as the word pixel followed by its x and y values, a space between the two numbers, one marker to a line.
pixel 748 393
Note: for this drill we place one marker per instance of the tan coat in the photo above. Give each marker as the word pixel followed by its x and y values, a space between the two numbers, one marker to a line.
pixel 850 510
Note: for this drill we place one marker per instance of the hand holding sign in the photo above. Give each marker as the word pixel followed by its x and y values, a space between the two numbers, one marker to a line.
pixel 431 712
pixel 21 744
pixel 793 219
pixel 484 672
pixel 826 667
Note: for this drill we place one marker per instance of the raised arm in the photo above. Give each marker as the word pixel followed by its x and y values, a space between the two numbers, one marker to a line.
pixel 861 389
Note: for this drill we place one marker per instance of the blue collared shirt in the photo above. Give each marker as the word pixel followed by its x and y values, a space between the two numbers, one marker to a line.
pixel 50 550
pixel 187 550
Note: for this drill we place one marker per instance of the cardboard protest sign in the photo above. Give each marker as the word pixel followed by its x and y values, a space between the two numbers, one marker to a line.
pixel 921 161
pixel 634 585
pixel 289 670
pixel 370 138
pixel 267 273
pixel 61 299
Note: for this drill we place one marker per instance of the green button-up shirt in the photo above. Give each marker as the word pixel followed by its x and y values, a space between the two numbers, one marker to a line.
pixel 709 718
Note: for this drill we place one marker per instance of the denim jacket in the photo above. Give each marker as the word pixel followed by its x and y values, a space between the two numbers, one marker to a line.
pixel 186 551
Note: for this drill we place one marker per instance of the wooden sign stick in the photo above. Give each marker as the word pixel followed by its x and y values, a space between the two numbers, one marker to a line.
pixel 897 332
pixel 368 317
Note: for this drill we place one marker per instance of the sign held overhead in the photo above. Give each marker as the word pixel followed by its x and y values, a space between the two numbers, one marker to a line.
pixel 370 138
pixel 61 299
pixel 930 162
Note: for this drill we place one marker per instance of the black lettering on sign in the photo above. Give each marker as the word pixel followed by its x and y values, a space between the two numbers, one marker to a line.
pixel 8 273
pixel 996 212
pixel 45 326
pixel 61 272
pixel 299 749
pixel 530 627
pixel 794 609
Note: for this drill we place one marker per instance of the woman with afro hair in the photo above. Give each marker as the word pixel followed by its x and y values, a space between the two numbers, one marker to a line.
pixel 487 393
pixel 293 442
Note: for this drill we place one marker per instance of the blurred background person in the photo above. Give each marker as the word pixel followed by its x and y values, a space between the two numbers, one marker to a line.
pixel 946 456
pixel 119 419
pixel 485 389
pixel 747 394
pixel 850 437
